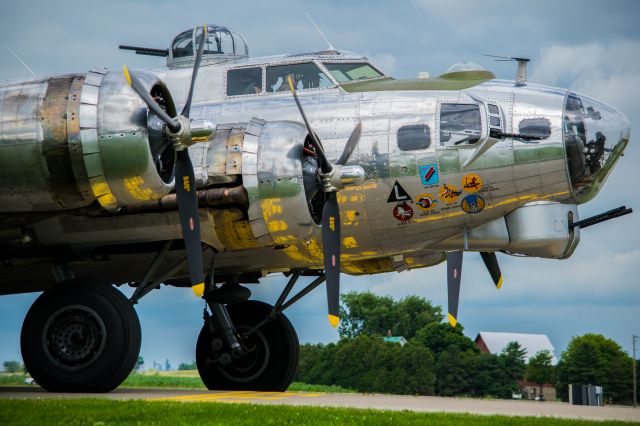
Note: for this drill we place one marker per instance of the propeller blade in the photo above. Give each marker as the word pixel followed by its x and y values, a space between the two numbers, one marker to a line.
pixel 454 273
pixel 354 138
pixel 196 65
pixel 138 87
pixel 491 262
pixel 325 166
pixel 331 251
pixel 189 219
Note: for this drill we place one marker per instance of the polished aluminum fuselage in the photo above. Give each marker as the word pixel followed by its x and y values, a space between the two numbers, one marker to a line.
pixel 522 182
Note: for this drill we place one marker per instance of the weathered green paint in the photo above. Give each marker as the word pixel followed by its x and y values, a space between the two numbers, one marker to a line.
pixel 401 165
pixel 450 81
pixel 448 161
pixel 124 155
pixel 538 153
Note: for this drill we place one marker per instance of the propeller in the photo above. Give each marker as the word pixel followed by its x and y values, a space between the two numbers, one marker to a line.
pixel 178 132
pixel 454 275
pixel 331 240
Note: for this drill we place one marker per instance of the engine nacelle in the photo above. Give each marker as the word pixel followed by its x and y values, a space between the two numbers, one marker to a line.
pixel 274 177
pixel 66 141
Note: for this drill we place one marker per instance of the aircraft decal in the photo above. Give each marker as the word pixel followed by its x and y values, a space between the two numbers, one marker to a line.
pixel 472 182
pixel 472 204
pixel 449 193
pixel 398 194
pixel 426 202
pixel 403 212
pixel 429 174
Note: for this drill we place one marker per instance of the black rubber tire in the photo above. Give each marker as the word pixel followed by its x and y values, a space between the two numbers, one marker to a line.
pixel 269 369
pixel 105 314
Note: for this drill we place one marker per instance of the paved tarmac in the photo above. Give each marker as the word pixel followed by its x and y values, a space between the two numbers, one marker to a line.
pixel 351 400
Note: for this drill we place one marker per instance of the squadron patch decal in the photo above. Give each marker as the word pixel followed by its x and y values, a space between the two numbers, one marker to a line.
pixel 449 193
pixel 429 174
pixel 403 212
pixel 398 194
pixel 472 204
pixel 472 182
pixel 426 202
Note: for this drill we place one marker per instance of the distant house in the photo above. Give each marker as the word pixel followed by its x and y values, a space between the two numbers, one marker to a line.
pixel 395 339
pixel 494 343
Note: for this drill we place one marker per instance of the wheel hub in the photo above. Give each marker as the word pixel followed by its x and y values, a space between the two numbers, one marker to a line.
pixel 74 337
pixel 253 360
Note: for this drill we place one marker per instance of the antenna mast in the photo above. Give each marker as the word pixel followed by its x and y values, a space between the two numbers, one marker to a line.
pixel 320 31
pixel 21 61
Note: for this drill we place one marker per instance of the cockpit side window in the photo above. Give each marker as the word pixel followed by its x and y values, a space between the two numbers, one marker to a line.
pixel 414 137
pixel 345 72
pixel 244 81
pixel 459 124
pixel 538 127
pixel 304 76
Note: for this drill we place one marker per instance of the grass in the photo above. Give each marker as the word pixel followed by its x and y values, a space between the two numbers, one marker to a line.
pixel 103 412
pixel 185 379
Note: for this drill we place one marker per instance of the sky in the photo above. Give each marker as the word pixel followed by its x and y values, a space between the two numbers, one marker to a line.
pixel 592 47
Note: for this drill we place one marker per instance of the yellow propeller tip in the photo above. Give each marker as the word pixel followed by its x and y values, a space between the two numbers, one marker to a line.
pixel 334 320
pixel 290 82
pixel 198 289
pixel 204 28
pixel 499 285
pixel 452 320
pixel 127 76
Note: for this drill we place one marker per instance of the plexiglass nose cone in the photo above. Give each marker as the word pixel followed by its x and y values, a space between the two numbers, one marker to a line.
pixel 595 135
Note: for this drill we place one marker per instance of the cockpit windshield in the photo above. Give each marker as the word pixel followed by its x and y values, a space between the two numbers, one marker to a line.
pixel 346 72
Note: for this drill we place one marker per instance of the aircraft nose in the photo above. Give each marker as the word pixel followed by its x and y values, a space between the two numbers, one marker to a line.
pixel 595 135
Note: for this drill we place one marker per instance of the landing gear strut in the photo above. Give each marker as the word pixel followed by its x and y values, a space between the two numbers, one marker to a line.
pixel 268 358
pixel 80 337
pixel 267 351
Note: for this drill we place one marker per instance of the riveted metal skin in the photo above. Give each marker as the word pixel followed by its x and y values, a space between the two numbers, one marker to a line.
pixel 258 147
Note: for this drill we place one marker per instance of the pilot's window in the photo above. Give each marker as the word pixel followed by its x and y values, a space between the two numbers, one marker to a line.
pixel 183 44
pixel 493 109
pixel 244 81
pixel 411 138
pixel 539 127
pixel 304 76
pixel 459 124
pixel 345 72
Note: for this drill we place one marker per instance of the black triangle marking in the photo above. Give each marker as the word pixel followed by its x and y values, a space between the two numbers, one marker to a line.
pixel 398 194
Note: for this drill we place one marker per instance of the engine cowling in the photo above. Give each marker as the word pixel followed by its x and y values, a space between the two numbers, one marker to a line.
pixel 68 140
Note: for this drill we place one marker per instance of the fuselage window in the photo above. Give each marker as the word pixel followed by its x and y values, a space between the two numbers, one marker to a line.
pixel 244 81
pixel 539 127
pixel 459 124
pixel 304 76
pixel 412 138
pixel 351 71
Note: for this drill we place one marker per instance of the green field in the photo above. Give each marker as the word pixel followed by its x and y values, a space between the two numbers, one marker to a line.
pixel 103 412
pixel 175 380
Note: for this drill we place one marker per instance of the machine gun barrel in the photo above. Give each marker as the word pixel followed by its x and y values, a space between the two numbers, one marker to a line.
pixel 594 220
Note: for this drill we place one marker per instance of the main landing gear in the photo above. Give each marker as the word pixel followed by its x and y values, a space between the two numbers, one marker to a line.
pixel 80 337
pixel 85 337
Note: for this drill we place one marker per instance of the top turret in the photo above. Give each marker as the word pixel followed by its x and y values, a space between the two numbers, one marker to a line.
pixel 222 44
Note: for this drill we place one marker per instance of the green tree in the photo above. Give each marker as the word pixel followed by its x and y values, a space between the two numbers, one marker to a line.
pixel 594 359
pixel 455 372
pixel 512 360
pixel 370 314
pixel 12 366
pixel 540 370
pixel 187 366
pixel 139 363
pixel 438 337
